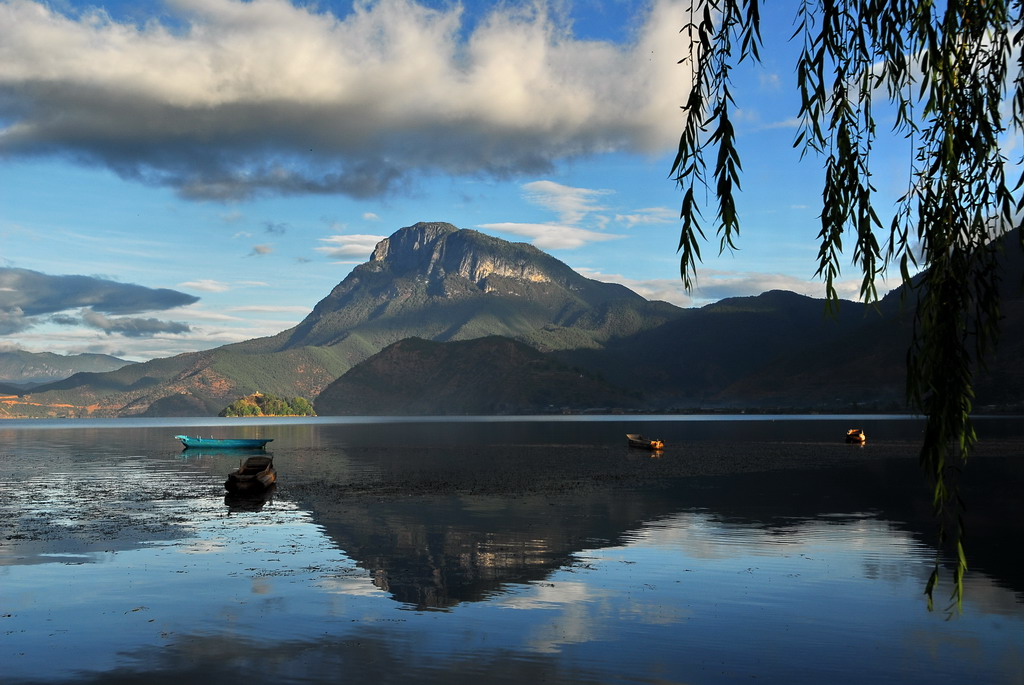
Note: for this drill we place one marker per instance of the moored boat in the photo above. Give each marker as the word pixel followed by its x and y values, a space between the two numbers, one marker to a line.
pixel 637 440
pixel 223 443
pixel 856 436
pixel 255 473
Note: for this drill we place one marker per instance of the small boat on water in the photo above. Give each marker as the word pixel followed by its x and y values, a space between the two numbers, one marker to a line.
pixel 637 440
pixel 253 474
pixel 224 443
pixel 856 436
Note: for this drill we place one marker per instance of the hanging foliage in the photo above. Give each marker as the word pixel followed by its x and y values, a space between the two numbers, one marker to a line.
pixel 953 73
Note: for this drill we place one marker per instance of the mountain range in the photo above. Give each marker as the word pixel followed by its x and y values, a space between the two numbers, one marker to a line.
pixel 20 369
pixel 443 320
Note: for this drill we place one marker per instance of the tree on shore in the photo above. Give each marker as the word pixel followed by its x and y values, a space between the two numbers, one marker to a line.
pixel 953 74
pixel 259 404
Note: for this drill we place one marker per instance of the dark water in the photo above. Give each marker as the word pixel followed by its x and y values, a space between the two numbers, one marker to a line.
pixel 502 551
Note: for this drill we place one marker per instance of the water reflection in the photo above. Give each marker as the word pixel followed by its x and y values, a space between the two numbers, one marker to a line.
pixel 94 506
pixel 239 454
pixel 249 501
pixel 495 563
pixel 437 552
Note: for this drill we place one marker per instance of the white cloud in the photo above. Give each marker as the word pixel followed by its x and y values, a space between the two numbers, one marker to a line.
pixel 549 596
pixel 571 204
pixel 352 587
pixel 65 339
pixel 664 289
pixel 197 312
pixel 348 247
pixel 650 215
pixel 206 285
pixel 769 81
pixel 271 309
pixel 715 285
pixel 552 236
pixel 792 122
pixel 230 99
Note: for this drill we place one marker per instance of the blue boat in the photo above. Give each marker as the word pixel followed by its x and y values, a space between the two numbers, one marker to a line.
pixel 224 443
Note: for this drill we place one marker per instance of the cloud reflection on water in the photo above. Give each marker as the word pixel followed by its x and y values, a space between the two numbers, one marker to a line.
pixel 598 585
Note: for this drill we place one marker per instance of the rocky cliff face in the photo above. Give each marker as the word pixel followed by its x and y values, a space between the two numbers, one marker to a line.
pixel 438 282
pixel 436 251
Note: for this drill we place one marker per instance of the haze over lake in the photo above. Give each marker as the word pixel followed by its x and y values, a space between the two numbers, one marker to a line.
pixel 500 550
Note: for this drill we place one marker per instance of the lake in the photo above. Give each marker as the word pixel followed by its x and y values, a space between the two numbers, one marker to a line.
pixel 503 549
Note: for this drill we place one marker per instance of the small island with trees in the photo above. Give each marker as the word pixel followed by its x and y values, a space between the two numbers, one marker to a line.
pixel 258 404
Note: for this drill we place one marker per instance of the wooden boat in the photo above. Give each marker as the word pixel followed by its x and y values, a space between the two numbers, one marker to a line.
pixel 255 473
pixel 856 436
pixel 224 443
pixel 637 440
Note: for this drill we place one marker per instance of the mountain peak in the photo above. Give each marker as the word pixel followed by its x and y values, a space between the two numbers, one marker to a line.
pixel 438 252
pixel 413 238
pixel 440 282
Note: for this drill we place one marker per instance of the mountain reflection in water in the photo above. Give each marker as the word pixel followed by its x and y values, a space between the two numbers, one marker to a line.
pixel 451 553
pixel 436 551
pixel 446 550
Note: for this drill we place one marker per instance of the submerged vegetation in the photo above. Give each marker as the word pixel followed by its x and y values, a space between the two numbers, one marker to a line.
pixel 259 404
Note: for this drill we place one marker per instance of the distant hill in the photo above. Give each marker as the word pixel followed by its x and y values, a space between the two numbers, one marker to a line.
pixel 492 375
pixel 21 368
pixel 539 319
pixel 700 358
pixel 431 280
pixel 864 366
pixel 6 389
pixel 191 384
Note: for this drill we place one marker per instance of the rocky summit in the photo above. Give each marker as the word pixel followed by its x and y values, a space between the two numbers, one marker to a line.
pixel 435 281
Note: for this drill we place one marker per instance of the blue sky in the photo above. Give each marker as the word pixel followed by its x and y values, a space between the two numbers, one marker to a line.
pixel 213 168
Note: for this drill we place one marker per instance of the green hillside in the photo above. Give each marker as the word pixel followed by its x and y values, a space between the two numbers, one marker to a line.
pixel 492 375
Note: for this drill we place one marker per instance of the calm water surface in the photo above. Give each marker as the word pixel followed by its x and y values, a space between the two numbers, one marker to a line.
pixel 501 550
